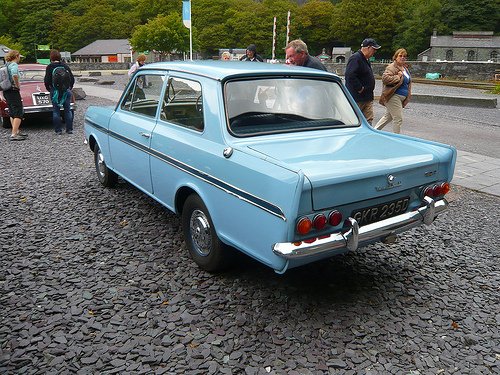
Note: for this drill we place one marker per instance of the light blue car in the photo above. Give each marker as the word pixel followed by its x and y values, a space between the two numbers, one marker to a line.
pixel 275 161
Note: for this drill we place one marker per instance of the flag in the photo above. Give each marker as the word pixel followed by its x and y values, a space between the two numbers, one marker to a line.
pixel 186 13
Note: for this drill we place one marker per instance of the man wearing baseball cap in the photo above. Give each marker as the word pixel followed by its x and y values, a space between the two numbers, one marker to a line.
pixel 359 77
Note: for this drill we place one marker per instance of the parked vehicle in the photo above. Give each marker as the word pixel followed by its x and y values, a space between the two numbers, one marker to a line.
pixel 275 161
pixel 36 99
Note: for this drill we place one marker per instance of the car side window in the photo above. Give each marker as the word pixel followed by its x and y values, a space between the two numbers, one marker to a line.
pixel 144 94
pixel 183 103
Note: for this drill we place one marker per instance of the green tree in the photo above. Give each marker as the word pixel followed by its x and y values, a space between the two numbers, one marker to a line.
pixel 163 34
pixel 413 34
pixel 355 20
pixel 268 10
pixel 312 25
pixel 149 9
pixel 210 19
pixel 477 15
pixel 10 43
pixel 100 20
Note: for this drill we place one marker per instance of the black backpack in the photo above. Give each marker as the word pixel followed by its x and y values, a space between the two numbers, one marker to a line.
pixel 61 78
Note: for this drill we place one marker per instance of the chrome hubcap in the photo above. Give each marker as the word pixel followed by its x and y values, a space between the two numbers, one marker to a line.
pixel 200 232
pixel 100 164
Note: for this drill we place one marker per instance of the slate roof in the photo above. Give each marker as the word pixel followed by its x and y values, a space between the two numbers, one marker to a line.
pixel 340 50
pixel 466 39
pixel 4 50
pixel 105 47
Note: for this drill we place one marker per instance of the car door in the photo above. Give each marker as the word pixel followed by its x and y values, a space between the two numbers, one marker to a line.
pixel 178 145
pixel 131 127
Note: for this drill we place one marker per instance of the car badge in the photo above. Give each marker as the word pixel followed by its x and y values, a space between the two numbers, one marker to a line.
pixel 390 183
pixel 38 88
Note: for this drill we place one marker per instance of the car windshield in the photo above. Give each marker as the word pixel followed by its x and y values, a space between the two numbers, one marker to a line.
pixel 276 105
pixel 31 75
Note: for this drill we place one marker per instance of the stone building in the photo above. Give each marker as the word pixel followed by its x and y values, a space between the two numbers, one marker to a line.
pixel 341 54
pixel 463 46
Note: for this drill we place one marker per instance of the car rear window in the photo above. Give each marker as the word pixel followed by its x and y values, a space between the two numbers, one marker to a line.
pixel 272 105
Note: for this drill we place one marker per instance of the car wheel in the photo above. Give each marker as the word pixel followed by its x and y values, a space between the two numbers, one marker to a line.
pixel 204 246
pixel 6 122
pixel 106 176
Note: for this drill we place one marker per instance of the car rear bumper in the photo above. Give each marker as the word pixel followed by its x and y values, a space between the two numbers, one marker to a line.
pixel 354 236
pixel 43 109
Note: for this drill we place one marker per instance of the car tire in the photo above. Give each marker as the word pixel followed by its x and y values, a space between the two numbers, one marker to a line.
pixel 204 246
pixel 6 122
pixel 105 176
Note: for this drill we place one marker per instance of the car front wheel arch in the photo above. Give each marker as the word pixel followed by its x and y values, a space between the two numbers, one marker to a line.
pixel 105 176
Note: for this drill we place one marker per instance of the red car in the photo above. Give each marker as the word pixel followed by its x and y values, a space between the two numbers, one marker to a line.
pixel 36 99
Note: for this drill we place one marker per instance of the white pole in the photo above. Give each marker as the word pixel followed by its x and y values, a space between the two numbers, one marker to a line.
pixel 288 28
pixel 190 34
pixel 274 38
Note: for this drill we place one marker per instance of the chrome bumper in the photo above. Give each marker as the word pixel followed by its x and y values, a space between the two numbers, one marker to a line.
pixel 354 235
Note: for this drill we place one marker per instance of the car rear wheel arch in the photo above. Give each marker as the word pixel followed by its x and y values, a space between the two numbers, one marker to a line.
pixel 201 238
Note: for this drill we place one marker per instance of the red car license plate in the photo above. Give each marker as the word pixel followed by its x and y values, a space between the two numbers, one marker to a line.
pixel 381 211
pixel 42 99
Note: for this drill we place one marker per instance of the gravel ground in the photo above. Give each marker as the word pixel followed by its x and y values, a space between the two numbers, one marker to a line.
pixel 98 281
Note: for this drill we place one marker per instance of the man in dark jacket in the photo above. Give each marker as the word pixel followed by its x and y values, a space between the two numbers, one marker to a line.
pixel 251 54
pixel 62 99
pixel 359 77
pixel 297 54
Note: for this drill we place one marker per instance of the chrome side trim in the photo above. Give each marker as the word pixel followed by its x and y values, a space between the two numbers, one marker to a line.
pixel 230 189
pixel 358 236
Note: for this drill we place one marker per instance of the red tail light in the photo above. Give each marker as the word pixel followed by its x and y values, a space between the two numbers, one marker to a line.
pixel 445 188
pixel 437 190
pixel 319 222
pixel 304 225
pixel 334 218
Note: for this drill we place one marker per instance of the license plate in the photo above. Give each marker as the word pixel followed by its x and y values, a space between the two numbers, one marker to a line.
pixel 381 211
pixel 42 99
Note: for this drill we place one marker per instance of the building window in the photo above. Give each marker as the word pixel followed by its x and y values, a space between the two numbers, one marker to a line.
pixel 471 56
pixel 449 55
pixel 494 55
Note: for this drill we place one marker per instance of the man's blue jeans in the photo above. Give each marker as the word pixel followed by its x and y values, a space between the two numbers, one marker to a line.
pixel 56 114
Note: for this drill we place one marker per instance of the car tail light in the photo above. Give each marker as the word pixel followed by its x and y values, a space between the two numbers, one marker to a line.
pixel 304 225
pixel 334 218
pixel 437 190
pixel 319 222
pixel 445 188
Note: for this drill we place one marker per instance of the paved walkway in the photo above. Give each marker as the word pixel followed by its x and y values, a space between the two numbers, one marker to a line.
pixel 477 172
pixel 473 171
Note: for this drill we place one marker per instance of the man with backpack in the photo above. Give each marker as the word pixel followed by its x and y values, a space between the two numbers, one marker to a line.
pixel 59 80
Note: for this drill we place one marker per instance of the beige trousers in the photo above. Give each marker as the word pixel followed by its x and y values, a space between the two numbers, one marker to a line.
pixel 394 113
pixel 367 109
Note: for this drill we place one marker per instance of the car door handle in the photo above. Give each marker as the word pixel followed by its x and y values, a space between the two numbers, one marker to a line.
pixel 147 135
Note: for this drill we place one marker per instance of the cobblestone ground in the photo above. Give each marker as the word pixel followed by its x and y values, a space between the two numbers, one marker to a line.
pixel 98 281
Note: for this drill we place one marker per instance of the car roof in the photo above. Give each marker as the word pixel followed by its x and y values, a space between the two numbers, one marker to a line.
pixel 222 70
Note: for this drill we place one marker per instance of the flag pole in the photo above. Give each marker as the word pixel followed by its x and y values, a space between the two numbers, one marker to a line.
pixel 190 35
pixel 288 28
pixel 186 20
pixel 274 38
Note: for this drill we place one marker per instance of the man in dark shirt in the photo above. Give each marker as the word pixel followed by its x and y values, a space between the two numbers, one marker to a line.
pixel 296 54
pixel 359 77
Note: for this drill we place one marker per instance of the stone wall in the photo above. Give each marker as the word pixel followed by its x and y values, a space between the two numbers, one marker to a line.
pixel 99 66
pixel 472 71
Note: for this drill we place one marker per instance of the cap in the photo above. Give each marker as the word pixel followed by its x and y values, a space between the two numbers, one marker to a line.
pixel 252 48
pixel 369 42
